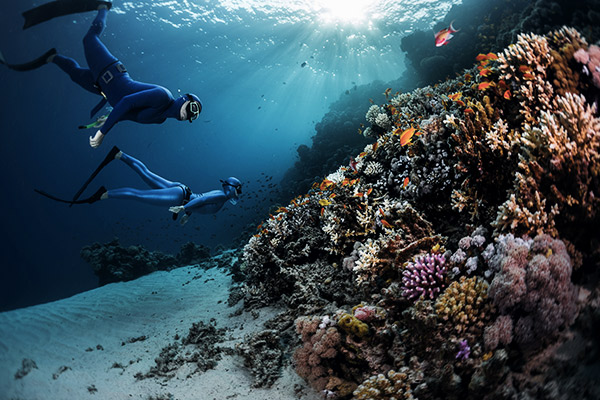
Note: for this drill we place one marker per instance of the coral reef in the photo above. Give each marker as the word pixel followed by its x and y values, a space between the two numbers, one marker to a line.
pixel 199 347
pixel 263 354
pixel 112 262
pixel 449 258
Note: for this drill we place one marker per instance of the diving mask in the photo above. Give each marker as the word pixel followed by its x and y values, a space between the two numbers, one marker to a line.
pixel 238 188
pixel 193 108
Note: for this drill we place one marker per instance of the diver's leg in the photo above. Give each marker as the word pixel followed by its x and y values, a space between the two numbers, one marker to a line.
pixel 159 197
pixel 96 54
pixel 151 179
pixel 81 76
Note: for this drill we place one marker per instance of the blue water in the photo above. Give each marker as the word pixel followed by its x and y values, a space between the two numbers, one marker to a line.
pixel 242 58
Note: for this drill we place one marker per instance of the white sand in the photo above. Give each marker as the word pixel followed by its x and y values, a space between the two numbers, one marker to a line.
pixel 159 306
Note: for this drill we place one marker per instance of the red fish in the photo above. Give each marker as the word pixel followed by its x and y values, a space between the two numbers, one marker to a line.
pixel 507 94
pixel 405 183
pixel 353 164
pixel 443 36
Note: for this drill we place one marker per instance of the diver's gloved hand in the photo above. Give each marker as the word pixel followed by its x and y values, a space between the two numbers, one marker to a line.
pixel 97 139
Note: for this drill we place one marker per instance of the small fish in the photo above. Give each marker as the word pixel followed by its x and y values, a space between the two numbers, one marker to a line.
pixel 353 164
pixel 304 64
pixel 481 57
pixel 455 96
pixel 364 153
pixel 375 146
pixel 281 209
pixel 468 77
pixel 387 92
pixel 524 68
pixel 406 136
pixel 527 76
pixel 322 211
pixel 460 103
pixel 506 94
pixel 369 191
pixel 405 183
pixel 443 36
pixel 485 72
pixel 381 212
pixel 469 111
pixel 325 184
pixel 386 224
pixel 359 194
pixel 485 85
pixel 324 202
pixel 492 56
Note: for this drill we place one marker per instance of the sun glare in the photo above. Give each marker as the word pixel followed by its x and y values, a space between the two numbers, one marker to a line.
pixel 347 11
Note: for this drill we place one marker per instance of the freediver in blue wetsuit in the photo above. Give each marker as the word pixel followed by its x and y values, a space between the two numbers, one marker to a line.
pixel 108 77
pixel 175 195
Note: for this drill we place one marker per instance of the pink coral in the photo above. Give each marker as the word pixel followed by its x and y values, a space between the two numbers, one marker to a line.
pixel 591 62
pixel 425 277
pixel 500 332
pixel 365 313
pixel 318 346
pixel 534 288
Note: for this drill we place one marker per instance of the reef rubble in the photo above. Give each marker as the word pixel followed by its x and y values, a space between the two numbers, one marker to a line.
pixel 459 256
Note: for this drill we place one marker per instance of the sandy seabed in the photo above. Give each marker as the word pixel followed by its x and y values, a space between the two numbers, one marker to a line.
pixel 76 343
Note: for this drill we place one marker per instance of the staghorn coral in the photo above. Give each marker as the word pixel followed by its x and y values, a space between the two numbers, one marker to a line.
pixel 464 305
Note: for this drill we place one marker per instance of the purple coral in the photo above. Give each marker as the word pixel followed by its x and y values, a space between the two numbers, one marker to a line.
pixel 425 277
pixel 464 351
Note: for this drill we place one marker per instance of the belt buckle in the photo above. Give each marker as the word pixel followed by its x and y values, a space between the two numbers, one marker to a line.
pixel 107 77
pixel 121 68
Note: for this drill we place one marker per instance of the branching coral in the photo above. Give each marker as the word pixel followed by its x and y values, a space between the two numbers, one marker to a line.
pixel 464 305
pixel 393 385
pixel 425 277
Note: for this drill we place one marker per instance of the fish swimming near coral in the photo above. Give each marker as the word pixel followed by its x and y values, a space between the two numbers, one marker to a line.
pixel 443 36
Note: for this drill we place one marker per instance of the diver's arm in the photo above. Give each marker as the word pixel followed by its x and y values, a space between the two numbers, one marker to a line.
pixel 151 98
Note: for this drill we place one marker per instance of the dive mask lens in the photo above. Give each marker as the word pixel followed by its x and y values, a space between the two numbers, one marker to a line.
pixel 193 108
pixel 238 190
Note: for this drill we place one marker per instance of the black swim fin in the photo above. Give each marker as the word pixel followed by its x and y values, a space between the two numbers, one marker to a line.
pixel 92 199
pixel 58 8
pixel 28 66
pixel 109 157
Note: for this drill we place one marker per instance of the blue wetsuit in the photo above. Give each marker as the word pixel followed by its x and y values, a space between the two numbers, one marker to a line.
pixel 166 193
pixel 131 100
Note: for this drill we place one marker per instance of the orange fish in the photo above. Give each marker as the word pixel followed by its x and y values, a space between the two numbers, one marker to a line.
pixel 460 103
pixel 485 72
pixel 468 77
pixel 364 153
pixel 506 94
pixel 281 209
pixel 492 56
pixel 405 183
pixel 469 111
pixel 359 194
pixel 381 212
pixel 258 227
pixel 443 36
pixel 369 191
pixel 481 57
pixel 322 211
pixel 524 68
pixel 484 85
pixel 375 146
pixel 527 76
pixel 406 136
pixel 386 224
pixel 455 96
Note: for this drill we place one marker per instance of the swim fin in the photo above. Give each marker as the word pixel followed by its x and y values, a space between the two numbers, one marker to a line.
pixel 92 199
pixel 109 157
pixel 28 66
pixel 58 8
